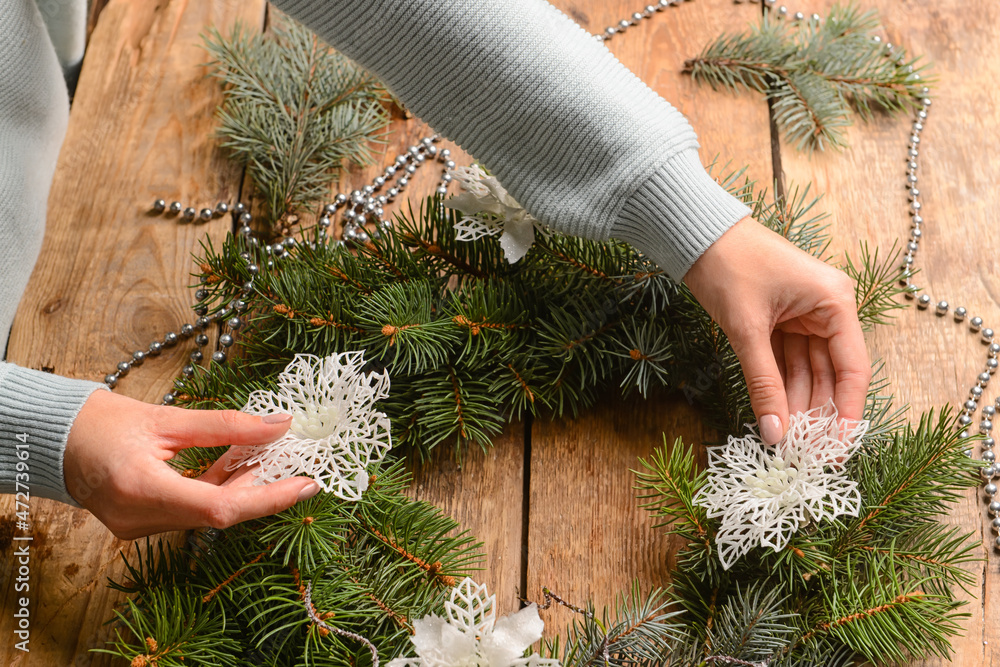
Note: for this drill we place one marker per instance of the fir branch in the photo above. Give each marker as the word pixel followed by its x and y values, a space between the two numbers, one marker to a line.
pixel 293 112
pixel 814 73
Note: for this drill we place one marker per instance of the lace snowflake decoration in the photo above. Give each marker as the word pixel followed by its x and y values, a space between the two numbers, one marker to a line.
pixel 489 210
pixel 335 433
pixel 471 636
pixel 765 494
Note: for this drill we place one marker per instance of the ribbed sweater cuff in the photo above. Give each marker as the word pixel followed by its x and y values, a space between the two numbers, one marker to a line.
pixel 677 213
pixel 38 409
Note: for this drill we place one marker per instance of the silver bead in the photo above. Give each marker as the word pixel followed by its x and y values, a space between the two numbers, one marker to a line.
pixel 637 17
pixel 922 114
pixel 201 340
pixel 926 101
pixel 138 357
pixel 379 182
pixel 357 197
pixel 983 378
pixel 245 231
pixel 253 269
pixel 187 371
pixel 221 209
pixel 911 178
pixel 988 442
pixel 403 182
pixel 159 206
pixel 368 189
pixel 799 16
pixel 976 393
pixel 989 411
pixel 168 399
pixel 995 524
pixel 324 222
pixel 912 246
pixel 914 192
pixel 154 348
pixel 245 219
pixel 990 489
pixel 391 194
pixel 442 189
pixel 170 339
pixel 219 357
pixel 411 169
pixel 960 313
pixel 187 330
pixel 994 349
pixel 382 200
pixel 176 207
pixel 782 10
pixel 989 456
pixel 444 155
pixel 329 209
pixel 964 420
pixel 923 301
pixel 976 323
pixel 915 233
pixel 942 307
pixel 123 368
pixel 985 426
pixel 970 405
pixel 201 323
pixel 987 335
pixel 994 508
pixel 226 340
pixel 912 166
pixel 450 164
pixel 189 213
pixel 239 209
pixel 196 356
pixel 816 18
pixel 988 472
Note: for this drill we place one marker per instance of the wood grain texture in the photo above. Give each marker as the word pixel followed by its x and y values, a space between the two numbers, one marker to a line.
pixel 112 278
pixel 587 538
pixel 930 360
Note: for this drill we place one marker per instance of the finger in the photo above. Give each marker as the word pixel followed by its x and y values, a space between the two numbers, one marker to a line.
pixel 778 348
pixel 211 428
pixel 852 366
pixel 767 391
pixel 798 372
pixel 824 376
pixel 217 473
pixel 195 503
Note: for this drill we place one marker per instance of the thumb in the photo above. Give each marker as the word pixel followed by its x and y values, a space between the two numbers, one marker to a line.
pixel 767 390
pixel 201 504
pixel 212 428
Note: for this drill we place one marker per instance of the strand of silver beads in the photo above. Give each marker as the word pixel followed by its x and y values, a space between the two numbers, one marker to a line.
pixel 356 210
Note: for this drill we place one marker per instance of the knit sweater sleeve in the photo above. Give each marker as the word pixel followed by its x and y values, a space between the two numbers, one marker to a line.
pixel 36 409
pixel 581 142
pixel 36 413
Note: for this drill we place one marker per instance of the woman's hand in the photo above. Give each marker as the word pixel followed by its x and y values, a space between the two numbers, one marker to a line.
pixel 115 466
pixel 792 320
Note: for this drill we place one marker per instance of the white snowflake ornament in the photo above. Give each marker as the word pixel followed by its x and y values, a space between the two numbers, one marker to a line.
pixel 764 493
pixel 335 433
pixel 471 636
pixel 490 210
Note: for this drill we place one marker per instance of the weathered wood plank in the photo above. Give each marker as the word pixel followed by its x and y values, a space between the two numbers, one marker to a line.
pixel 929 360
pixel 111 278
pixel 587 537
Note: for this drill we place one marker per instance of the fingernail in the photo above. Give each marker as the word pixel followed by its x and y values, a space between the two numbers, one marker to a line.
pixel 308 492
pixel 770 429
pixel 276 418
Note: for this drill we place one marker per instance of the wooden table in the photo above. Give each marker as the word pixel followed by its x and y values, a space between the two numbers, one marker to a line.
pixel 553 500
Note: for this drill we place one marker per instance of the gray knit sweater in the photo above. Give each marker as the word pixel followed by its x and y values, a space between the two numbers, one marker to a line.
pixel 574 136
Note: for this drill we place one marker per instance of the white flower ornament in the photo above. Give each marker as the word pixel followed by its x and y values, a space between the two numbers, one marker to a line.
pixel 490 210
pixel 471 636
pixel 764 494
pixel 335 433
